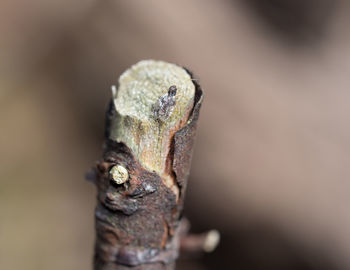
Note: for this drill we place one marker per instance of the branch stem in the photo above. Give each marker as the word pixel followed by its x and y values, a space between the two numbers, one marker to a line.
pixel 142 177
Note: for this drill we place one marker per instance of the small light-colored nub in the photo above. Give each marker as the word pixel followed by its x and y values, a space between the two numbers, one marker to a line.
pixel 142 89
pixel 212 241
pixel 119 174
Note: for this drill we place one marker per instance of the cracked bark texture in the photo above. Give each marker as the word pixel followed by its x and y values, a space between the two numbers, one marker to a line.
pixel 138 223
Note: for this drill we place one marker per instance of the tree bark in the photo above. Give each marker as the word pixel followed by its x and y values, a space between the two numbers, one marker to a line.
pixel 141 179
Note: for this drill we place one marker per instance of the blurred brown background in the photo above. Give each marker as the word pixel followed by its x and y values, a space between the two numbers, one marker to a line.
pixel 271 167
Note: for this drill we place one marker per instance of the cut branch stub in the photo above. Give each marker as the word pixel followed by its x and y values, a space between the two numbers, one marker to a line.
pixel 150 131
pixel 148 114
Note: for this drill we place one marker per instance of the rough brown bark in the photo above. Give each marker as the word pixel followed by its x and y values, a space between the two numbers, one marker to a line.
pixel 138 224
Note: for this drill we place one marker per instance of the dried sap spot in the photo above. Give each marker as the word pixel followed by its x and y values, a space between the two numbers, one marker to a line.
pixel 165 104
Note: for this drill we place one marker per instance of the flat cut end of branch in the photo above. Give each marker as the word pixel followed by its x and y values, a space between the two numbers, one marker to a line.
pixel 153 101
pixel 141 87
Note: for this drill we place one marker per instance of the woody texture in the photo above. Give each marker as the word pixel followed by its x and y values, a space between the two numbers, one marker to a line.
pixel 142 177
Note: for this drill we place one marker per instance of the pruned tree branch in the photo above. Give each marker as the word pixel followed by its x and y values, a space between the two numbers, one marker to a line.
pixel 142 178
